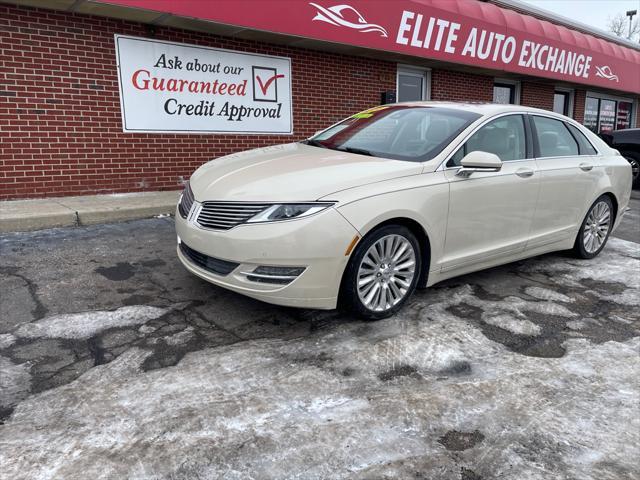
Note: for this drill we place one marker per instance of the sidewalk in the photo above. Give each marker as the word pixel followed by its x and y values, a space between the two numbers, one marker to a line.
pixel 23 215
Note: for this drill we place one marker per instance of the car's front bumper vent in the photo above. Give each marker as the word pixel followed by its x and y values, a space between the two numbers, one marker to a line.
pixel 211 264
pixel 226 215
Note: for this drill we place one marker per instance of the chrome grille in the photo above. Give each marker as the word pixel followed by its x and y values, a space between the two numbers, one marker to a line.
pixel 186 201
pixel 226 215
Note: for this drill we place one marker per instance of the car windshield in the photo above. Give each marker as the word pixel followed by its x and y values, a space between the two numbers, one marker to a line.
pixel 400 132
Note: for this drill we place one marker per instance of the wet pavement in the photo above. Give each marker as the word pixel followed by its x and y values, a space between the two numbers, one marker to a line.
pixel 117 363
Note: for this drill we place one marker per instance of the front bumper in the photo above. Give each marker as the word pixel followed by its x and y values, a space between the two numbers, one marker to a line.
pixel 317 243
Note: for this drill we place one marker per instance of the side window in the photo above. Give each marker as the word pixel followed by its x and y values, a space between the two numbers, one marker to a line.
pixel 503 137
pixel 554 139
pixel 585 145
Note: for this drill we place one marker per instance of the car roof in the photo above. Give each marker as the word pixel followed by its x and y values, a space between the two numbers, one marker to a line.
pixel 481 108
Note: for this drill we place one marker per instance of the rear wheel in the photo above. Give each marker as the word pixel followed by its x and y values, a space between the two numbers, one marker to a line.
pixel 382 272
pixel 595 229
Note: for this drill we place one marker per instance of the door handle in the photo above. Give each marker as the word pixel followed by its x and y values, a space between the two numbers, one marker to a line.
pixel 585 167
pixel 524 172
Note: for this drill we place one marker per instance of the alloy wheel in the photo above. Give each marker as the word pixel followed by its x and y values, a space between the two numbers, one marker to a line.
pixel 596 227
pixel 386 272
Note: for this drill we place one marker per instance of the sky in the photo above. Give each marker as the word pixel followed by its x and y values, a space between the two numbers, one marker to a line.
pixel 594 13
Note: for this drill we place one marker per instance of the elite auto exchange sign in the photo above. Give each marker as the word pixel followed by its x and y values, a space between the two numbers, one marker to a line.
pixel 171 87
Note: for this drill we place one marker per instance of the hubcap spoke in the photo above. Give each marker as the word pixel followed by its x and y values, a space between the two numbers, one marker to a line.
pixel 386 272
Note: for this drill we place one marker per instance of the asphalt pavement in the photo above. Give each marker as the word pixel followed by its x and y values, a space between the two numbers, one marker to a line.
pixel 115 362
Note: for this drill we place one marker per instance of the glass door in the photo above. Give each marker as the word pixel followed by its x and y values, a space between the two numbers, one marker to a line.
pixel 412 85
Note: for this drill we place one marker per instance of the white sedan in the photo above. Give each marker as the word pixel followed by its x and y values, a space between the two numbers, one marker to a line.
pixel 396 197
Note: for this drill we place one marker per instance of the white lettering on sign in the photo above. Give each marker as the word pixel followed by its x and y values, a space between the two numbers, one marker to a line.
pixel 171 87
pixel 438 34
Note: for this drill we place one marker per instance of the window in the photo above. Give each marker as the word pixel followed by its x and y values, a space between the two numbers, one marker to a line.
pixel 503 93
pixel 506 91
pixel 503 137
pixel 562 102
pixel 554 138
pixel 623 115
pixel 603 114
pixel 585 145
pixel 400 132
pixel 412 84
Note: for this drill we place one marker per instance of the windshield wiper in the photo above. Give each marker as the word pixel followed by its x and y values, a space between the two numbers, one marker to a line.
pixel 359 151
pixel 313 143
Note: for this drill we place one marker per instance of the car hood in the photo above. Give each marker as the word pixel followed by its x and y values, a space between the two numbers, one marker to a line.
pixel 291 172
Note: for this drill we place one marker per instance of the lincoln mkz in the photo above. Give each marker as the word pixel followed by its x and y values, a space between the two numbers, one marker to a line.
pixel 397 197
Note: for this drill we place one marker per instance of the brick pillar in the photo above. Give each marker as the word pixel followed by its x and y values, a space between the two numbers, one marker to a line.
pixel 579 99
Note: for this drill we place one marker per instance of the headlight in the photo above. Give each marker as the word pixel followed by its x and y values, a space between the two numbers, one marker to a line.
pixel 287 211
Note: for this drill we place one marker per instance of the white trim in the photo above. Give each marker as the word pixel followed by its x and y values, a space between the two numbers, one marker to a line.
pixel 416 71
pixel 516 91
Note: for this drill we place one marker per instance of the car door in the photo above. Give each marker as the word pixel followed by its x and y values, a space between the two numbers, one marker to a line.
pixel 491 213
pixel 569 168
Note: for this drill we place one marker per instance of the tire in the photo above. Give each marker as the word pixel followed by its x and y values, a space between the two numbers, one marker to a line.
pixel 368 262
pixel 595 228
pixel 634 161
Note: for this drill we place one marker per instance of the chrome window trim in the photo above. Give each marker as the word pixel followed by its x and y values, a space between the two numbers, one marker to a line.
pixel 442 165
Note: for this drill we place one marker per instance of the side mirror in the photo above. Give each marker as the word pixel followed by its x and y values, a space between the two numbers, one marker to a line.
pixel 479 161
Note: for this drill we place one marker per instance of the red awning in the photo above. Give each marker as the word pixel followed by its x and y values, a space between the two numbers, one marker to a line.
pixel 469 32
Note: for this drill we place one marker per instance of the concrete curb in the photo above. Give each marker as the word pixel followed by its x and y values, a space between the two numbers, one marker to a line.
pixel 25 215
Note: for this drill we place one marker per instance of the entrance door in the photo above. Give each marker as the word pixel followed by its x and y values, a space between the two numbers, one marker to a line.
pixel 412 84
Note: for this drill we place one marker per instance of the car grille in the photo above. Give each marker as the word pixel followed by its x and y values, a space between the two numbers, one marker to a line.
pixel 186 201
pixel 211 264
pixel 226 215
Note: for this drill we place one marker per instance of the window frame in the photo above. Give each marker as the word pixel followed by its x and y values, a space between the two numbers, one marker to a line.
pixel 536 145
pixel 528 145
pixel 569 100
pixel 514 85
pixel 414 71
pixel 635 104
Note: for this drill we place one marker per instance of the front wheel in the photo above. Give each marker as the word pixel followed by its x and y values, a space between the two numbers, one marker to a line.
pixel 382 272
pixel 595 229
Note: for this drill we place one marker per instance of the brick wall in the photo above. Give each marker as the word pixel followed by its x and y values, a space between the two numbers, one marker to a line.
pixel 538 95
pixel 579 99
pixel 461 86
pixel 60 122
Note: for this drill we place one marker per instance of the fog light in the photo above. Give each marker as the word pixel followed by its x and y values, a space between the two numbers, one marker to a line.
pixel 277 275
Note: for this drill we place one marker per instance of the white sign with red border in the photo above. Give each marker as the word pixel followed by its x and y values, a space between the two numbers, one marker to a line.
pixel 168 87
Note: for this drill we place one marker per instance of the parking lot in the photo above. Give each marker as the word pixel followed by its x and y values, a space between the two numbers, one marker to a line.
pixel 115 362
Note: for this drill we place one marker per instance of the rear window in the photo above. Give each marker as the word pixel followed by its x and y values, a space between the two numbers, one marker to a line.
pixel 585 145
pixel 400 132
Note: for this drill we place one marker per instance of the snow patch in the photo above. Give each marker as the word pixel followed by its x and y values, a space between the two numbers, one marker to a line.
pixel 519 326
pixel 86 324
pixel 547 294
pixel 15 382
pixel 6 340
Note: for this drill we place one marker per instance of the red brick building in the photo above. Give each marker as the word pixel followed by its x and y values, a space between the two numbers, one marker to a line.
pixel 63 93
